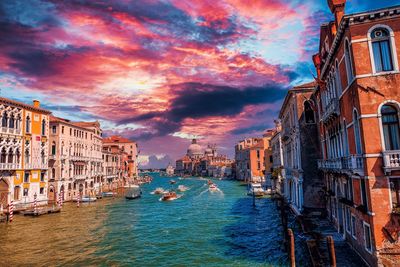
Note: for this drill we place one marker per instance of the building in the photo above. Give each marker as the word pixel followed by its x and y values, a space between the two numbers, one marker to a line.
pixel 113 167
pixel 359 101
pixel 277 184
pixel 299 137
pixel 131 149
pixel 75 159
pixel 170 170
pixel 24 143
pixel 268 157
pixel 207 163
pixel 249 158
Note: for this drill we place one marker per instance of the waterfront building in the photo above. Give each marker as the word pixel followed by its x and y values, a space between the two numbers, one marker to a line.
pixel 75 159
pixel 277 161
pixel 131 149
pixel 268 158
pixel 249 158
pixel 207 163
pixel 359 101
pixel 299 137
pixel 23 153
pixel 114 167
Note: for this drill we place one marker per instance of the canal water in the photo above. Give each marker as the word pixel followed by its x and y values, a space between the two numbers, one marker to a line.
pixel 200 228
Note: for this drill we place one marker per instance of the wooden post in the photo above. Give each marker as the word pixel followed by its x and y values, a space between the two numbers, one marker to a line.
pixel 292 256
pixel 331 249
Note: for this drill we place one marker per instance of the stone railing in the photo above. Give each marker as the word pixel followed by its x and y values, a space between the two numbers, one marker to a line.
pixel 353 163
pixel 7 130
pixel 330 164
pixel 37 165
pixel 79 158
pixel 391 160
pixel 10 166
pixel 80 177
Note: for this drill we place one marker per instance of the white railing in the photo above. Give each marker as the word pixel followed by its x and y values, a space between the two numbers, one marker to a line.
pixel 37 165
pixel 332 108
pixel 80 177
pixel 354 163
pixel 330 164
pixel 391 160
pixel 10 130
pixel 79 158
pixel 10 166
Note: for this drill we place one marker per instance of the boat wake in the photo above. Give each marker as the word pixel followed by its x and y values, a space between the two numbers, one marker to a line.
pixel 171 199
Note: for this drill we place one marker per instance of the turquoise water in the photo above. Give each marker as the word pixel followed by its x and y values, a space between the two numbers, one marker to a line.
pixel 199 229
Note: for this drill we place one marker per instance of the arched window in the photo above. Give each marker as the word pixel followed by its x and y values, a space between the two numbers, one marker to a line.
pixel 337 78
pixel 4 120
pixel 349 64
pixel 357 133
pixel 53 173
pixel 308 112
pixel 18 156
pixel 10 156
pixel 12 122
pixel 27 156
pixel 43 127
pixel 28 124
pixel 3 156
pixel 390 126
pixel 383 58
pixel 53 148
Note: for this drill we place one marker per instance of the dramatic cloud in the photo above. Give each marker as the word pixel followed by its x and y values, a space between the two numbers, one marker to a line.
pixel 158 71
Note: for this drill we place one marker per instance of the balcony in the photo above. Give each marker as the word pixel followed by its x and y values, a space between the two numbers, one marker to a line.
pixel 353 164
pixel 79 158
pixel 331 110
pixel 391 160
pixel 13 131
pixel 52 157
pixel 36 166
pixel 10 166
pixel 80 177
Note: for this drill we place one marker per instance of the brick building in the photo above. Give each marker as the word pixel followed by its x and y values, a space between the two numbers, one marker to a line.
pixel 358 99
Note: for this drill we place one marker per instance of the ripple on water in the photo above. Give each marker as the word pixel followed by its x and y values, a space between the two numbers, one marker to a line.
pixel 201 228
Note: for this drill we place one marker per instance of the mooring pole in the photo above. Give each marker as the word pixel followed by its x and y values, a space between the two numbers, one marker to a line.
pixel 291 248
pixel 331 248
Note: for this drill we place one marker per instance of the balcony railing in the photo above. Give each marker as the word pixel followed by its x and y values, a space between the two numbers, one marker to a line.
pixel 37 165
pixel 391 160
pixel 80 177
pixel 10 166
pixel 7 130
pixel 332 109
pixel 353 163
pixel 79 158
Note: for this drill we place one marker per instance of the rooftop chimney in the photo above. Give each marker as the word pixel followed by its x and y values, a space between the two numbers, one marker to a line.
pixel 36 103
pixel 337 9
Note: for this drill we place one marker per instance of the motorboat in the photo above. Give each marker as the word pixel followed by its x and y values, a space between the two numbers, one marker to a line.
pixel 182 188
pixel 209 182
pixel 158 191
pixel 256 190
pixel 133 192
pixel 168 196
pixel 212 187
pixel 108 194
pixel 172 182
pixel 85 199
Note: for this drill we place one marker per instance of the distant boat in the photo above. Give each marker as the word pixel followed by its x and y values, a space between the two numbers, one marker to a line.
pixel 133 192
pixel 158 191
pixel 182 188
pixel 172 182
pixel 168 196
pixel 213 187
pixel 108 194
pixel 256 190
pixel 85 199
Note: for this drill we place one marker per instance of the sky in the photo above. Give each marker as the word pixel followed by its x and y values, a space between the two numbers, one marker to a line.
pixel 163 72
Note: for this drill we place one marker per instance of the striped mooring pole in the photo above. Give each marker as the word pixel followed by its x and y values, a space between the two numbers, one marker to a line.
pixel 35 203
pixel 11 210
pixel 77 200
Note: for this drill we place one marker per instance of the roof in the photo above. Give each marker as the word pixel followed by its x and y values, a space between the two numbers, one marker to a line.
pixel 80 125
pixel 117 139
pixel 23 105
pixel 305 86
pixel 87 123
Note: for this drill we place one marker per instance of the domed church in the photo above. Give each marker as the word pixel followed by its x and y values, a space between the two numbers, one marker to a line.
pixel 194 150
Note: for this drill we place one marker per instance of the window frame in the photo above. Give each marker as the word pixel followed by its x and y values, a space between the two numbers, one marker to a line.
pixel 370 237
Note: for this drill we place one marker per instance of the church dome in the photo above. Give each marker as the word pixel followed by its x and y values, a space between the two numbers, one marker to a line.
pixel 194 149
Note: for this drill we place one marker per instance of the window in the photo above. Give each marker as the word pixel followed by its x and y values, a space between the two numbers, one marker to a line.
pixel 28 124
pixel 26 192
pixel 12 122
pixel 26 177
pixel 42 176
pixel 309 112
pixel 390 126
pixel 363 193
pixel 62 129
pixel 4 120
pixel 43 127
pixel 367 238
pixel 348 218
pixel 54 129
pixel 53 148
pixel 349 64
pixel 41 191
pixel 258 154
pixel 17 191
pixel 357 134
pixel 258 166
pixel 395 193
pixel 353 226
pixel 381 50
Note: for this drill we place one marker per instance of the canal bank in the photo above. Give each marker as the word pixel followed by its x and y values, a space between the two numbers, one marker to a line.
pixel 201 228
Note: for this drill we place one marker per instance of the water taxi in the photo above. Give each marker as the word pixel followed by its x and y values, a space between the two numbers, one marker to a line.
pixel 132 192
pixel 256 190
pixel 158 191
pixel 172 182
pixel 168 196
pixel 213 187
pixel 182 188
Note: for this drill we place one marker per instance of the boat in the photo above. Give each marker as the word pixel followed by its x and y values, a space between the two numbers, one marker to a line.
pixel 209 182
pixel 158 191
pixel 182 188
pixel 212 187
pixel 168 196
pixel 108 194
pixel 133 192
pixel 256 190
pixel 172 182
pixel 85 199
